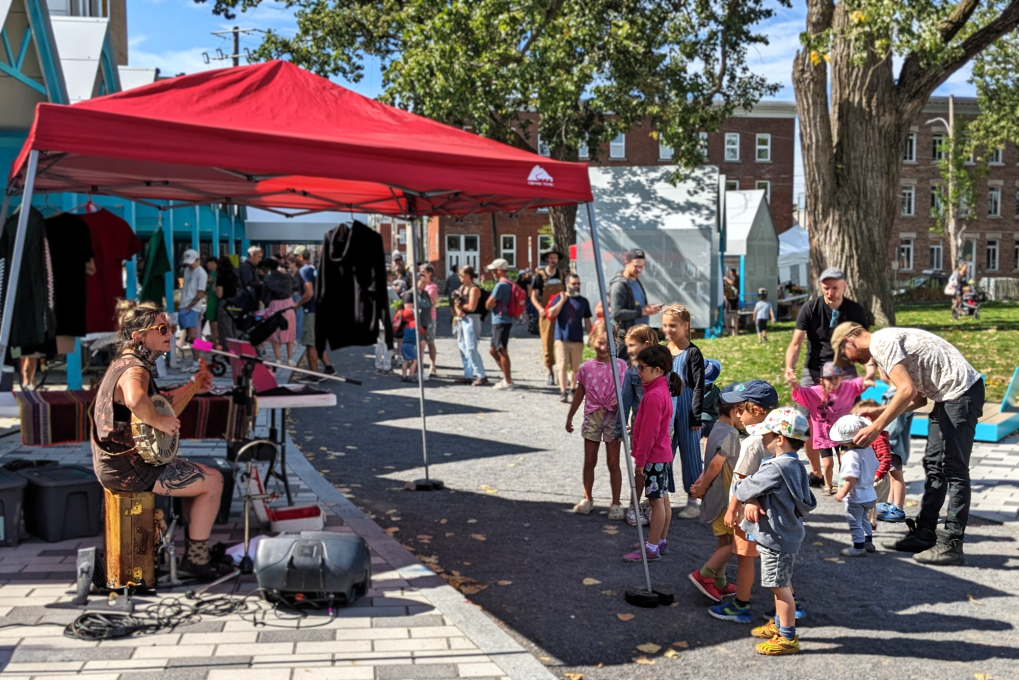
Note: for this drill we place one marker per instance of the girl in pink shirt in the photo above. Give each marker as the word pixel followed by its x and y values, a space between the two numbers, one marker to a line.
pixel 652 443
pixel 826 403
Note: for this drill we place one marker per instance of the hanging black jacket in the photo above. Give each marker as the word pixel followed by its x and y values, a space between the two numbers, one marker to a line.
pixel 33 323
pixel 351 297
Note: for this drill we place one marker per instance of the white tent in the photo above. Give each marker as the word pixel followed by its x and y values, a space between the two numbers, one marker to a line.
pixel 751 245
pixel 794 255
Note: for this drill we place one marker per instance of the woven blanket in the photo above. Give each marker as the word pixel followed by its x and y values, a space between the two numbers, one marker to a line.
pixel 55 417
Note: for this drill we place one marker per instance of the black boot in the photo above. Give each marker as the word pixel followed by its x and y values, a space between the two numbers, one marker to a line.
pixel 916 540
pixel 551 379
pixel 947 552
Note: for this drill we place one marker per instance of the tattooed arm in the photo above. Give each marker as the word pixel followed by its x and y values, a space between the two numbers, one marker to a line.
pixel 134 386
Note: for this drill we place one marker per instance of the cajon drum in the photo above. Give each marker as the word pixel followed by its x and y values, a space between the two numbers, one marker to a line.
pixel 130 539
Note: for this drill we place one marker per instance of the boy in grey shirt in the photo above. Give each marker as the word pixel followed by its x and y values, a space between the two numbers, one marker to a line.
pixel 775 499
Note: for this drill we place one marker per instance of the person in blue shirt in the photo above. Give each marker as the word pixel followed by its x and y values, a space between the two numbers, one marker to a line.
pixel 571 313
pixel 763 312
pixel 502 323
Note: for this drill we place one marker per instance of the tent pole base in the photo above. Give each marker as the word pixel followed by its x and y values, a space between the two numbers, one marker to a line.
pixel 425 485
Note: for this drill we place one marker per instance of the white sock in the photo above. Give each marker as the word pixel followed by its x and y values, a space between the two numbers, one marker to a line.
pixel 651 548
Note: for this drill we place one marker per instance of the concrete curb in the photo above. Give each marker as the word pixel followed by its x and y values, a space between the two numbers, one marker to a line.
pixel 516 661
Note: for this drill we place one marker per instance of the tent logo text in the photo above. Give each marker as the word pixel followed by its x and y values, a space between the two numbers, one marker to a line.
pixel 539 177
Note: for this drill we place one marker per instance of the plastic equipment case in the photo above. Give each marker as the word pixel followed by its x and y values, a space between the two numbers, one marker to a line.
pixel 62 503
pixel 12 493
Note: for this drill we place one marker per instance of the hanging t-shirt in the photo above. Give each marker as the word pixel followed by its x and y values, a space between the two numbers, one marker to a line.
pixel 70 243
pixel 113 241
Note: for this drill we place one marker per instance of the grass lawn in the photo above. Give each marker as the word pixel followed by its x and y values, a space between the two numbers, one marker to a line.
pixel 991 345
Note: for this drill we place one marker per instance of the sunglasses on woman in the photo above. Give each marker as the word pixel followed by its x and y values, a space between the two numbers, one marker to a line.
pixel 164 329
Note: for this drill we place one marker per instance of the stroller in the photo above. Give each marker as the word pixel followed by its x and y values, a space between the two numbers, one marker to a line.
pixel 968 302
pixel 252 326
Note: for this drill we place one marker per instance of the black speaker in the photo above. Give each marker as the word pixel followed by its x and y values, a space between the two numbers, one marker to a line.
pixel 313 567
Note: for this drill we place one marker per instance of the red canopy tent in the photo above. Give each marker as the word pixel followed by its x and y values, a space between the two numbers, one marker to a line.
pixel 275 136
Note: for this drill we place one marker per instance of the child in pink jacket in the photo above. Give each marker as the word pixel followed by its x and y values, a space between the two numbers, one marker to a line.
pixel 652 443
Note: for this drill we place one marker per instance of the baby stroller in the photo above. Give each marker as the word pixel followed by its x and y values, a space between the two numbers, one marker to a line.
pixel 253 327
pixel 968 303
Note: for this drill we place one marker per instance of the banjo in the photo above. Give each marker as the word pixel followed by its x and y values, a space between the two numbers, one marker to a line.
pixel 155 447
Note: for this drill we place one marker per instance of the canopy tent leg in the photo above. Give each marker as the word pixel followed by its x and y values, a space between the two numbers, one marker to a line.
pixel 19 251
pixel 73 359
pixel 3 211
pixel 634 497
pixel 196 239
pixel 245 243
pixel 214 251
pixel 170 275
pixel 232 250
pixel 131 266
pixel 426 484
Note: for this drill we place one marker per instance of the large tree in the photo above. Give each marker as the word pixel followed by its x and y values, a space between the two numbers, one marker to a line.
pixel 866 69
pixel 592 68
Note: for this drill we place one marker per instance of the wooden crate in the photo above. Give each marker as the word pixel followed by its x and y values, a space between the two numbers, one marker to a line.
pixel 130 539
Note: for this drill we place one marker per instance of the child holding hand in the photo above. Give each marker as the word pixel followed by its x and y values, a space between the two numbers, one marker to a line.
pixel 596 388
pixel 637 338
pixel 404 318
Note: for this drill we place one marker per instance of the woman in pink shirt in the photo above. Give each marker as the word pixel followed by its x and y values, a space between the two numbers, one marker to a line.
pixel 825 404
pixel 652 443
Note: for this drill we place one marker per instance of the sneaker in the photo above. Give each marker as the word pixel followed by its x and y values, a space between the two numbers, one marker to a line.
pixel 691 511
pixel 730 611
pixel 800 612
pixel 426 377
pixel 551 380
pixel 916 540
pixel 728 591
pixel 868 544
pixel 432 373
pixel 765 632
pixel 584 507
pixel 616 513
pixel 564 398
pixel 852 551
pixel 479 382
pixel 652 555
pixel 944 553
pixel 705 585
pixel 503 385
pixel 329 370
pixel 463 381
pixel 779 646
pixel 663 546
pixel 892 514
pixel 883 507
pixel 631 518
pixel 815 481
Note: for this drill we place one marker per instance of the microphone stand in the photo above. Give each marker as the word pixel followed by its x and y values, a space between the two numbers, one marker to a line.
pixel 205 346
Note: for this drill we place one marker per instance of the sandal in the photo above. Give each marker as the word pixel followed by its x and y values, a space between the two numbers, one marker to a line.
pixel 584 507
pixel 616 513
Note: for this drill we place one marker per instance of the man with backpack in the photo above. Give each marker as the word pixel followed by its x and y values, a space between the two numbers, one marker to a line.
pixel 506 302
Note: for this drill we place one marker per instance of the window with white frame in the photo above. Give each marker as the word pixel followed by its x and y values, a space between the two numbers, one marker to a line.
pixel 545 243
pixel 994 201
pixel 906 255
pixel 704 144
pixel 910 154
pixel 762 148
pixel 761 184
pixel 936 256
pixel 936 207
pixel 963 206
pixel 732 185
pixel 664 152
pixel 908 200
pixel 508 248
pixel 617 147
pixel 732 146
pixel 992 255
pixel 996 157
pixel 583 152
pixel 543 148
pixel 938 147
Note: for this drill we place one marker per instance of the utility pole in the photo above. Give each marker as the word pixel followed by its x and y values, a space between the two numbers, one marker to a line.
pixel 954 239
pixel 235 55
pixel 237 46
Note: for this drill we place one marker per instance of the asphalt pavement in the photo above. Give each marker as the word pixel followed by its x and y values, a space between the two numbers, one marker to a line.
pixel 503 531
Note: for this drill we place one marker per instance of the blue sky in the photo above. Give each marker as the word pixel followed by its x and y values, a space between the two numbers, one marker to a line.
pixel 173 35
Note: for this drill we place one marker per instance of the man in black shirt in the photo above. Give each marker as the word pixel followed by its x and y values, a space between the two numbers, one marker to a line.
pixel 816 322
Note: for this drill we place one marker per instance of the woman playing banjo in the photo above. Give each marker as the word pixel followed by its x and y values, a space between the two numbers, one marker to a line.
pixel 126 390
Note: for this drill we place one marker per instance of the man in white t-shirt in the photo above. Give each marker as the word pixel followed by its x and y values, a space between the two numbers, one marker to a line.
pixel 923 366
pixel 192 302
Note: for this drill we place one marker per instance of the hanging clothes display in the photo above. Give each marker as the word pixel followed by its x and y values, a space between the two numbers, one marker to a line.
pixel 70 244
pixel 351 297
pixel 33 326
pixel 113 241
pixel 157 264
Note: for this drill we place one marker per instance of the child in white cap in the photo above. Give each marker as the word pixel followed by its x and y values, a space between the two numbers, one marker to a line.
pixel 857 469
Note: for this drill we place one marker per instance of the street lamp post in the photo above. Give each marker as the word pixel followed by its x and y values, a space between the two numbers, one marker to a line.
pixel 955 244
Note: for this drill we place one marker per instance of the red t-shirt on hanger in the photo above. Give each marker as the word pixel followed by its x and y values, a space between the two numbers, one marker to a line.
pixel 113 241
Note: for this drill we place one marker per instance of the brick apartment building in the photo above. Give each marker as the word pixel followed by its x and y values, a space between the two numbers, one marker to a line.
pixel 991 245
pixel 754 150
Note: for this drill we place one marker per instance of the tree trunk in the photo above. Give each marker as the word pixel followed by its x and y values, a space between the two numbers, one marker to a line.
pixel 564 230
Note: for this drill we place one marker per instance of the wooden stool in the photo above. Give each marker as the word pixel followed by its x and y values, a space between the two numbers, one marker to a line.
pixel 130 539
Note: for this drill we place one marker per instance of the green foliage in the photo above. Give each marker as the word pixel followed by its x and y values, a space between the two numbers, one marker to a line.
pixel 957 187
pixel 593 69
pixel 996 76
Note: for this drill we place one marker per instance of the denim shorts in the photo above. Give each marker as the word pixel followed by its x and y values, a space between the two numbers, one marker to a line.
pixel 658 480
pixel 187 319
pixel 776 567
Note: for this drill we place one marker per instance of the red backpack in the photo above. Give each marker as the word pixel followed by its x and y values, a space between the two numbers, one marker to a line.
pixel 518 300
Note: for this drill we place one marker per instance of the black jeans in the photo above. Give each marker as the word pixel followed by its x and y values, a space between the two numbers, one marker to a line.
pixel 946 461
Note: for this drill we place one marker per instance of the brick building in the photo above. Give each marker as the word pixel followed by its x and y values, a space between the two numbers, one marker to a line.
pixel 991 245
pixel 754 150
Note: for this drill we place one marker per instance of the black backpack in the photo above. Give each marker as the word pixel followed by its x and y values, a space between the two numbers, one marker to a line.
pixel 482 308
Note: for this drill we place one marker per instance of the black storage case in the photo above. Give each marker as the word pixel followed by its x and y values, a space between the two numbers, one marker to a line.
pixel 227 470
pixel 321 566
pixel 62 503
pixel 12 493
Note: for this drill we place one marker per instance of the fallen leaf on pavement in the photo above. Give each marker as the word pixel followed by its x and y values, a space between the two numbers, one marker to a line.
pixel 491 491
pixel 504 583
pixel 392 530
pixel 478 537
pixel 625 617
pixel 574 676
pixel 448 534
pixel 472 521
pixel 443 521
pixel 322 448
pixel 424 537
pixel 455 581
pixel 608 592
pixel 591 581
pixel 388 467
pixel 395 518
pixel 974 600
pixel 671 654
pixel 682 644
pixel 649 647
pixel 818 543
pixel 544 658
pixel 389 512
pixel 831 559
pixel 432 559
pixel 466 564
pixel 470 590
pixel 981 676
pixel 484 486
pixel 644 661
pixel 436 568
pixel 455 573
pixel 514 465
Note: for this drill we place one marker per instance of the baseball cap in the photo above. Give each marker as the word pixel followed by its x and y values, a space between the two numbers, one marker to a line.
pixel 838 336
pixel 190 256
pixel 831 370
pixel 712 369
pixel 785 421
pixel 398 256
pixel 634 254
pixel 833 273
pixel 302 251
pixel 755 391
pixel 498 263
pixel 846 427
